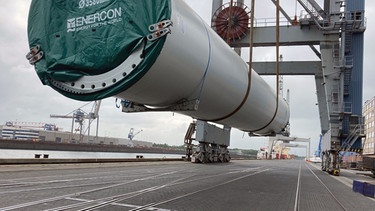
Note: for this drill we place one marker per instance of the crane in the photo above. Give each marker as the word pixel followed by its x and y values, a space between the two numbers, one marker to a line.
pixel 132 134
pixel 79 116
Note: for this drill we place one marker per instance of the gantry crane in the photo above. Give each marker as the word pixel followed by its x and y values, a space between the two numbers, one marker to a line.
pixel 132 134
pixel 337 27
pixel 79 116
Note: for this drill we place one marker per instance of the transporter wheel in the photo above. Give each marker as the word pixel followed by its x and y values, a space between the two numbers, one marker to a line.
pixel 221 158
pixel 324 163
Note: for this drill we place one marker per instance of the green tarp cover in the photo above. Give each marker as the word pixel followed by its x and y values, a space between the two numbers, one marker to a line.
pixel 91 37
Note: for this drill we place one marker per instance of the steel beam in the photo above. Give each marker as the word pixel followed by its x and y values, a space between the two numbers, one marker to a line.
pixel 216 4
pixel 289 36
pixel 288 68
pixel 322 102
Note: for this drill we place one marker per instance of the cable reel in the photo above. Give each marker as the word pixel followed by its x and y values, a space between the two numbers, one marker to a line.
pixel 231 21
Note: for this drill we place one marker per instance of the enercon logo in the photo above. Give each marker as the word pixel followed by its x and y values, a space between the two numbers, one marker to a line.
pixel 101 18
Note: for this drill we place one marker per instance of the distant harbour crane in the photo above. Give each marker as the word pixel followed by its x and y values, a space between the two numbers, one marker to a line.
pixel 79 116
pixel 132 134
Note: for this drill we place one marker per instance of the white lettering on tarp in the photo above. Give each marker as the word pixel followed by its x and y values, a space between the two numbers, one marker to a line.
pixel 89 3
pixel 71 24
pixel 102 18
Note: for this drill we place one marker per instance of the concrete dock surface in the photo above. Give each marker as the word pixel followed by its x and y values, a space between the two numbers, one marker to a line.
pixel 176 185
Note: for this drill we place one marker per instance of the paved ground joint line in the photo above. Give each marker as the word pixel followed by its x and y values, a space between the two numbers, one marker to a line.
pixel 28 204
pixel 324 185
pixel 205 189
pixel 296 202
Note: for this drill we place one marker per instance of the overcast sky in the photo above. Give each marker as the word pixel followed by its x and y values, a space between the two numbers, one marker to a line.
pixel 24 98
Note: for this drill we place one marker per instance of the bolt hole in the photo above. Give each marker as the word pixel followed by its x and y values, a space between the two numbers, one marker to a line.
pixel 72 84
pixel 103 84
pixel 124 74
pixel 150 37
pixel 82 86
pixel 134 66
pixel 114 80
pixel 93 86
pixel 142 56
pixel 152 28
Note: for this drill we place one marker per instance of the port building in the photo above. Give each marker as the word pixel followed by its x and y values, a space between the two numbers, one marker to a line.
pixel 49 133
pixel 369 116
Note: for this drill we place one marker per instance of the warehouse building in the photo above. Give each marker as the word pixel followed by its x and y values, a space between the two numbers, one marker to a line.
pixel 9 131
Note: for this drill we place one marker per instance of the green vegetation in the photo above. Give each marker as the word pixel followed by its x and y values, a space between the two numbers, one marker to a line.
pixel 166 146
pixel 252 152
pixel 249 152
pixel 182 147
